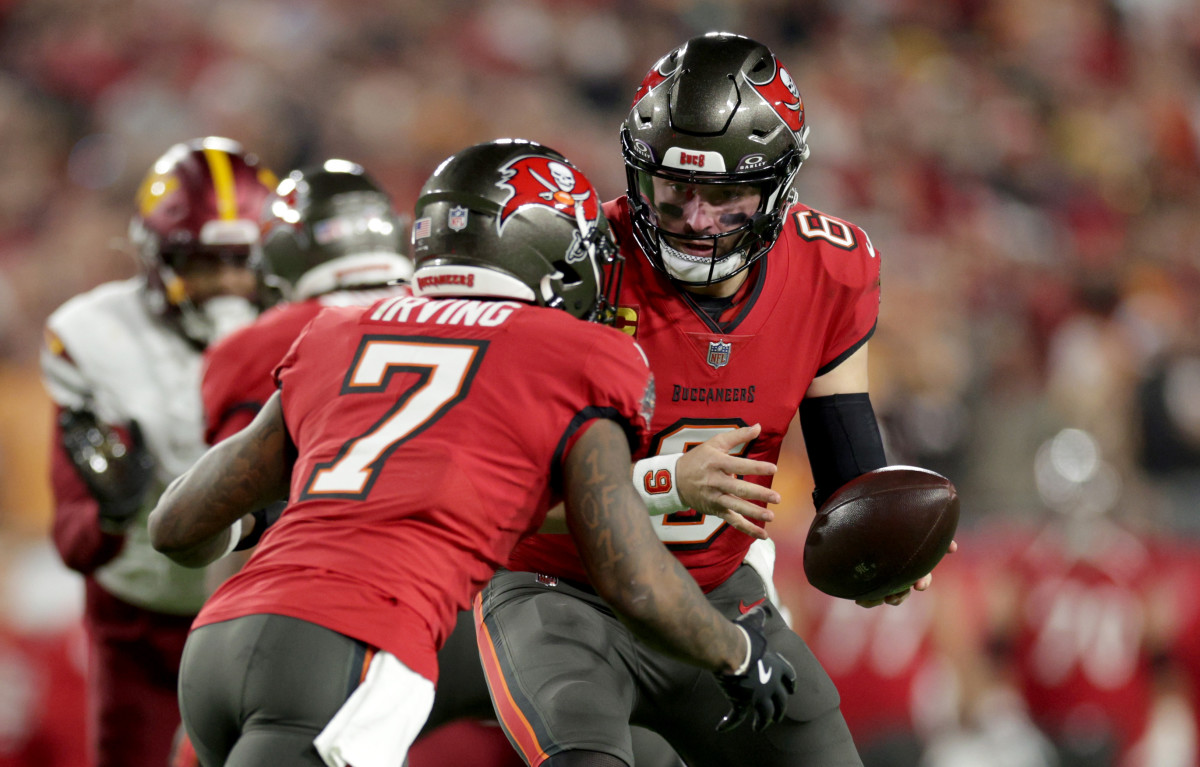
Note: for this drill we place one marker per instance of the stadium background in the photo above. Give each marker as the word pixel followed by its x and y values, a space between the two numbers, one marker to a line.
pixel 1029 170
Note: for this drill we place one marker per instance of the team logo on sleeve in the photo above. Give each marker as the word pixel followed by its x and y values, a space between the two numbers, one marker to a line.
pixel 543 181
pixel 780 91
pixel 646 408
pixel 718 353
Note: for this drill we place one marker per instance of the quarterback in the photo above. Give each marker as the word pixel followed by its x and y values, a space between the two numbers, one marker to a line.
pixel 751 307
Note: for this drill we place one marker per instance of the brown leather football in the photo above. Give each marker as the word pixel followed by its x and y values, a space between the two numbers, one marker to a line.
pixel 881 532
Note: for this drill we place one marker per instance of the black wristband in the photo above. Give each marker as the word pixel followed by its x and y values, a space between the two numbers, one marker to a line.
pixel 263 518
pixel 842 439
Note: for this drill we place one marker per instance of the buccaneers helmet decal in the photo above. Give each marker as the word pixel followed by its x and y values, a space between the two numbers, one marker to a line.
pixel 513 219
pixel 665 67
pixel 780 91
pixel 540 180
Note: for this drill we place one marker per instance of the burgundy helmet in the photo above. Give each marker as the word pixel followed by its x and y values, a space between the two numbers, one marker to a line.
pixel 198 206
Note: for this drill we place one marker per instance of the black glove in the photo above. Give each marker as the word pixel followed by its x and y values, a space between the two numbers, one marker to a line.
pixel 767 683
pixel 263 518
pixel 117 474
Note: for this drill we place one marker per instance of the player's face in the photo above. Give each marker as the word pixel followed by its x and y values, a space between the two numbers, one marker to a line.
pixel 207 275
pixel 703 209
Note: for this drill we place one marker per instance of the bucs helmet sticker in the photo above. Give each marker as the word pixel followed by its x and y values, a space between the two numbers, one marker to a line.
pixel 665 67
pixel 283 209
pixel 537 180
pixel 457 218
pixel 780 91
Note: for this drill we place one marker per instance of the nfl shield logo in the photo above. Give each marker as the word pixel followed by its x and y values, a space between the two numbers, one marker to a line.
pixel 458 218
pixel 718 353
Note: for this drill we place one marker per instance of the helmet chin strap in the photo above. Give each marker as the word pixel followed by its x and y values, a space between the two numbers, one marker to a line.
pixel 550 296
pixel 699 269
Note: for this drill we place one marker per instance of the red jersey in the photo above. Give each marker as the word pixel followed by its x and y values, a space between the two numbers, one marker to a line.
pixel 44 717
pixel 237 369
pixel 1176 622
pixel 1082 650
pixel 430 435
pixel 806 307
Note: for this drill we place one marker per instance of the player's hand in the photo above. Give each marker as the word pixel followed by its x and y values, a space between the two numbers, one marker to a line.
pixel 762 692
pixel 117 472
pixel 709 482
pixel 898 598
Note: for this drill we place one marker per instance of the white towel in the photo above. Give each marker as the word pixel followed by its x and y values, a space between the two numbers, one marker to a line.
pixel 379 721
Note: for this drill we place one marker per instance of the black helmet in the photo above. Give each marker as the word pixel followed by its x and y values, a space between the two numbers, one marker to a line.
pixel 514 219
pixel 327 213
pixel 719 110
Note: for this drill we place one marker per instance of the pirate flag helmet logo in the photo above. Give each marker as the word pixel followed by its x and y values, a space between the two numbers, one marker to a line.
pixel 540 180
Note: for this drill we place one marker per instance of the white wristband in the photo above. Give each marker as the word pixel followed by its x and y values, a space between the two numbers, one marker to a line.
pixel 235 537
pixel 742 669
pixel 654 478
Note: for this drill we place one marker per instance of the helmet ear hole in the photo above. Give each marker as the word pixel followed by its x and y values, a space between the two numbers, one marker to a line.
pixel 570 276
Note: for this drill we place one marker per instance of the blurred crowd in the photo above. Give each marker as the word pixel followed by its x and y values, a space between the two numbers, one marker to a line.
pixel 1029 171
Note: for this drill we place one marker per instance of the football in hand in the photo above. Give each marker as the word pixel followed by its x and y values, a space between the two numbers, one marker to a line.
pixel 881 532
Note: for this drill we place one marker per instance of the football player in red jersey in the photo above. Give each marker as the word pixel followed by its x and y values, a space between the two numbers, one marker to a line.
pixel 122 364
pixel 750 307
pixel 1076 608
pixel 332 238
pixel 418 440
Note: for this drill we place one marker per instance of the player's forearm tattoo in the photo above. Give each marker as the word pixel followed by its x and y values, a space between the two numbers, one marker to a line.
pixel 600 496
pixel 248 473
pixel 629 566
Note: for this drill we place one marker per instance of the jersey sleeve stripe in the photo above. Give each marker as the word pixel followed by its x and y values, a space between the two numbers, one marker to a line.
pixel 581 418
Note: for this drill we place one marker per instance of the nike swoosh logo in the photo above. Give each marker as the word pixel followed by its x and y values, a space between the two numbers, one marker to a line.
pixel 764 673
pixel 745 608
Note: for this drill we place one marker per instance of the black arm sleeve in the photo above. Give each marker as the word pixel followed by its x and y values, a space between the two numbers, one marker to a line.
pixel 842 439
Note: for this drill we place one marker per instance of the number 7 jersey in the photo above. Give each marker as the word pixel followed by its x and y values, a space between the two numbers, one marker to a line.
pixel 430 435
pixel 810 303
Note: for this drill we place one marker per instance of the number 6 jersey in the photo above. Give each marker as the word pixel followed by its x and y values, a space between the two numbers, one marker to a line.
pixel 806 307
pixel 430 426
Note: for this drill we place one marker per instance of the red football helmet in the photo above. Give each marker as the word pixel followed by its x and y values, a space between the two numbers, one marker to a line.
pixel 197 208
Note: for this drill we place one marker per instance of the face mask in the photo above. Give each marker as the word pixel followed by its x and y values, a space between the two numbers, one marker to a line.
pixel 218 317
pixel 695 269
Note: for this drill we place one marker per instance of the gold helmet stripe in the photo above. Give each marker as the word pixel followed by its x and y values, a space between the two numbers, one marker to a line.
pixel 54 343
pixel 221 168
pixel 154 189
